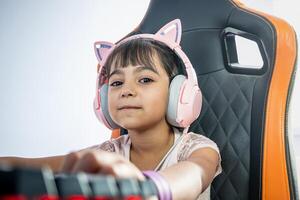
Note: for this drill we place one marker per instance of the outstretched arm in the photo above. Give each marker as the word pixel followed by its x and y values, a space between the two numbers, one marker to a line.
pixel 54 162
pixel 187 179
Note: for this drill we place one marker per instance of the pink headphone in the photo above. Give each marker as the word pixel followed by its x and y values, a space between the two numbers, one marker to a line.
pixel 185 98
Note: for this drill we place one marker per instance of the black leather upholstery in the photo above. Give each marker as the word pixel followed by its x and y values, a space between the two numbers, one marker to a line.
pixel 233 102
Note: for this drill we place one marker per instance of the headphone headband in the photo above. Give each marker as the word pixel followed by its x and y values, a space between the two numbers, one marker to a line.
pixel 165 35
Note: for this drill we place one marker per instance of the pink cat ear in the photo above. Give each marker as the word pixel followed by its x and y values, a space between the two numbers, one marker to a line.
pixel 171 31
pixel 102 50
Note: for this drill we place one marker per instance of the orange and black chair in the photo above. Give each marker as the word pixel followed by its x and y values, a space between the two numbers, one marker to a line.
pixel 245 108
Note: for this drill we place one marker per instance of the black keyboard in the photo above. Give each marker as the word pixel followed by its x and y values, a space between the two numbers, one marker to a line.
pixel 41 184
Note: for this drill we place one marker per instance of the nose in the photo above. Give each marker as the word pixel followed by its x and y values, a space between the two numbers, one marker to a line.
pixel 128 90
pixel 127 93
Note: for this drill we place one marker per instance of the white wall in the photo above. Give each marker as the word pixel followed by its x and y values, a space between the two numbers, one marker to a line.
pixel 48 71
pixel 48 68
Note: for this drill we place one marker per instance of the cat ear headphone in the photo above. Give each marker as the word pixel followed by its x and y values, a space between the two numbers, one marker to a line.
pixel 185 98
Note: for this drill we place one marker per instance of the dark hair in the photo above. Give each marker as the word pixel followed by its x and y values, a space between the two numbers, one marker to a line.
pixel 142 51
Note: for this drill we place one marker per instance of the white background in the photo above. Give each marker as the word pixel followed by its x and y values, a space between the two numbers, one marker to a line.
pixel 48 69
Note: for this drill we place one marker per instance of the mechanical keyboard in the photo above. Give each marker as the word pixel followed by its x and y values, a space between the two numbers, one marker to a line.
pixel 17 183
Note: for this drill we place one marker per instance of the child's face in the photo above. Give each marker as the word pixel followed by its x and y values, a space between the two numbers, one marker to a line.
pixel 138 96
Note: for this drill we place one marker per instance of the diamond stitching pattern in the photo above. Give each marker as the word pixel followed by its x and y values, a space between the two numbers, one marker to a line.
pixel 225 118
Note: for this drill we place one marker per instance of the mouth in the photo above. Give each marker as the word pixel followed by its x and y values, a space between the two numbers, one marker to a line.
pixel 129 108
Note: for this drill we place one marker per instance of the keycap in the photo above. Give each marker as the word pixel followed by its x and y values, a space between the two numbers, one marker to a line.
pixel 73 186
pixel 24 183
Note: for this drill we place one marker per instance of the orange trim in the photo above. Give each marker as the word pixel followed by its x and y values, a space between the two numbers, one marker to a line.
pixel 275 184
pixel 115 133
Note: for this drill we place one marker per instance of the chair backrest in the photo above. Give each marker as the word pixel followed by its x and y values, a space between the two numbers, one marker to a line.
pixel 244 108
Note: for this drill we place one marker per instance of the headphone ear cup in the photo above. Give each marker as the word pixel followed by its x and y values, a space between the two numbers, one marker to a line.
pixel 174 97
pixel 104 107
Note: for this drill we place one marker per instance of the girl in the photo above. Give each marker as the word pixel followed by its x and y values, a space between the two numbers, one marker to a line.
pixel 139 89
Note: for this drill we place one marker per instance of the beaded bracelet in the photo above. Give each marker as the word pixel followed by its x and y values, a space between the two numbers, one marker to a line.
pixel 163 188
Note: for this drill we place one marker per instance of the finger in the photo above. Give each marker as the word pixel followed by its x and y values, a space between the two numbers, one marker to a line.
pixel 126 170
pixel 69 162
pixel 87 163
pixel 118 166
pixel 93 160
pixel 107 163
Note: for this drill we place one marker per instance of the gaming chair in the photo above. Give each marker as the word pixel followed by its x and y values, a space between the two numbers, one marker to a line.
pixel 245 108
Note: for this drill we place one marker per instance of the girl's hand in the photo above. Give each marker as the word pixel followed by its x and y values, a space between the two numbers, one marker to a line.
pixel 95 161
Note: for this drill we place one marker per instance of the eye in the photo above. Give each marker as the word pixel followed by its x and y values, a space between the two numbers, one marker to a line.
pixel 145 80
pixel 115 83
